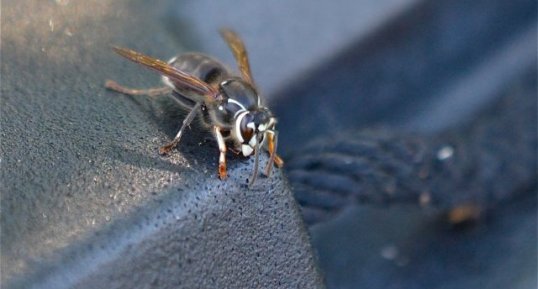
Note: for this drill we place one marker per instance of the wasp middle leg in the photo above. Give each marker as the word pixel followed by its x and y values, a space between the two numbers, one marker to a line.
pixel 164 150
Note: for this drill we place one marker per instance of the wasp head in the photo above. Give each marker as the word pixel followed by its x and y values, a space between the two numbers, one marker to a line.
pixel 251 127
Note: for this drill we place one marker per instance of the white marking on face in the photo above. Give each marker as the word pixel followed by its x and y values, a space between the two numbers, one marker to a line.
pixel 252 142
pixel 247 150
pixel 262 127
pixel 251 125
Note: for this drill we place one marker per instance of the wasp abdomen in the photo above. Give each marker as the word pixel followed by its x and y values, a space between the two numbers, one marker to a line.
pixel 201 66
pixel 204 67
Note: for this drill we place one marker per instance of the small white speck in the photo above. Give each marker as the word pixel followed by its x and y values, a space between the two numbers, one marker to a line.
pixel 51 25
pixel 389 252
pixel 445 153
pixel 221 107
pixel 62 2
pixel 107 218
pixel 68 32
pixel 425 198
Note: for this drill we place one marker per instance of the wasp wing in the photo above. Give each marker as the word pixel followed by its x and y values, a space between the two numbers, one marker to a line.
pixel 240 53
pixel 176 75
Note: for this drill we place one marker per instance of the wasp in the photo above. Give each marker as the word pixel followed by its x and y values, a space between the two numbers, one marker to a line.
pixel 227 104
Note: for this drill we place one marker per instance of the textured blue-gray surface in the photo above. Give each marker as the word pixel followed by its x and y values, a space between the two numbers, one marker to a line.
pixel 86 201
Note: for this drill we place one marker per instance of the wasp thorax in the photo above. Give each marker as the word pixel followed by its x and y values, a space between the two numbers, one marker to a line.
pixel 239 91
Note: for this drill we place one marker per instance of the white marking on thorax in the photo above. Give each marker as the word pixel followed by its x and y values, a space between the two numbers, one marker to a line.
pixel 237 103
pixel 237 113
pixel 238 120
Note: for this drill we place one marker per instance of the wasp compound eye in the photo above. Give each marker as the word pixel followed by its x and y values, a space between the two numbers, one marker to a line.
pixel 247 127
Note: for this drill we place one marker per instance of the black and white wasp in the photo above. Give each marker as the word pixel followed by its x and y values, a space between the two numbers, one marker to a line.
pixel 228 105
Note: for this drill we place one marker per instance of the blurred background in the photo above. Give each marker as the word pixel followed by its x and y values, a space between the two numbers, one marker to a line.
pixel 408 127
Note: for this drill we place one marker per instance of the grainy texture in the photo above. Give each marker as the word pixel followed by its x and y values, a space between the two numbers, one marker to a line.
pixel 82 183
pixel 86 200
pixel 203 234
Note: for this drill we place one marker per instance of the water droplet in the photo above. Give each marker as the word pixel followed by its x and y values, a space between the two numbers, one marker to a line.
pixel 445 153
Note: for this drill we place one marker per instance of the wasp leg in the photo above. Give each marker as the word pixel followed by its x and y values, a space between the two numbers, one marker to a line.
pixel 187 121
pixel 279 162
pixel 272 140
pixel 151 92
pixel 273 157
pixel 222 150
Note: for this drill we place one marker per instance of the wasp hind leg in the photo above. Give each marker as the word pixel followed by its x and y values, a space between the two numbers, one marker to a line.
pixel 164 150
pixel 151 92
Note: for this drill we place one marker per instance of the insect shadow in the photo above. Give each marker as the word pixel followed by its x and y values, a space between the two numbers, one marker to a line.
pixel 197 149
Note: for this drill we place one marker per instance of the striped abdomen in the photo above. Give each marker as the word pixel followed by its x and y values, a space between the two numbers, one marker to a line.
pixel 201 66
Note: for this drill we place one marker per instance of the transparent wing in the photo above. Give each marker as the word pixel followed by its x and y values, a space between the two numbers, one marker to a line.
pixel 177 76
pixel 240 53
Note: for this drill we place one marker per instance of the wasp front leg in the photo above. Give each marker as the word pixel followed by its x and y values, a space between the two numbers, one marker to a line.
pixel 272 142
pixel 222 150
